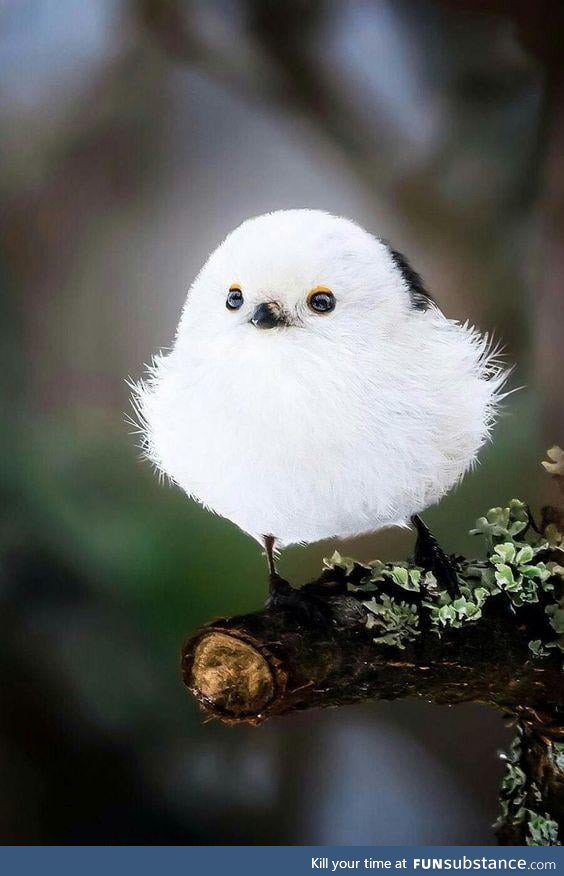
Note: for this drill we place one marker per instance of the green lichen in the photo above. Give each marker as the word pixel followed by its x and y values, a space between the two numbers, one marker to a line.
pixel 396 622
pixel 517 565
pixel 537 648
pixel 517 574
pixel 542 830
pixel 447 612
pixel 513 787
pixel 558 755
pixel 556 617
pixel 347 564
pixel 554 537
pixel 502 524
pixel 555 614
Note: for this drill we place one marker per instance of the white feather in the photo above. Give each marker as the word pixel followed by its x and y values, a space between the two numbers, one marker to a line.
pixel 340 424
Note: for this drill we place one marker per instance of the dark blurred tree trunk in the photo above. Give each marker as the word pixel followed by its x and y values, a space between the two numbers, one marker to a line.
pixel 550 320
pixel 539 27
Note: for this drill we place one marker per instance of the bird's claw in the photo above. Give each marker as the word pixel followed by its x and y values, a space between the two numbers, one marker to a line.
pixel 283 596
pixel 430 556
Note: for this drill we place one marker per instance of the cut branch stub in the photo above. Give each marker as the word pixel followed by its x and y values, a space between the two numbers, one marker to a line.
pixel 233 677
pixel 249 668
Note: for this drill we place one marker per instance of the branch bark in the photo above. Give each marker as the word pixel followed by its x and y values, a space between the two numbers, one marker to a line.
pixel 321 653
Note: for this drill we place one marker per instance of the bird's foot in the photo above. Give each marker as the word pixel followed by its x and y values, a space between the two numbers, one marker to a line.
pixel 431 557
pixel 282 595
pixel 298 600
pixel 278 589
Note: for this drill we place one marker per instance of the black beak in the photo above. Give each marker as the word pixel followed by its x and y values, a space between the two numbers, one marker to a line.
pixel 266 316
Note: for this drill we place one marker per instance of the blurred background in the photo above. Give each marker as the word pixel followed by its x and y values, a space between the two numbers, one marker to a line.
pixel 134 135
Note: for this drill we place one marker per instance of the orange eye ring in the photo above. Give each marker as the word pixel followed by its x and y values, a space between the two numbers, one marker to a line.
pixel 321 300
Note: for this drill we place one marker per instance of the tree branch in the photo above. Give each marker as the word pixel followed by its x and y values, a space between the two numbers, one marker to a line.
pixel 279 660
pixel 388 631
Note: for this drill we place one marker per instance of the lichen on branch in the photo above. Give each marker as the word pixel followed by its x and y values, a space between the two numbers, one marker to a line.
pixel 532 790
pixel 523 567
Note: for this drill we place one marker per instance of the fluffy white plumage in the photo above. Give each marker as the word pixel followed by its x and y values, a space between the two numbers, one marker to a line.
pixel 337 424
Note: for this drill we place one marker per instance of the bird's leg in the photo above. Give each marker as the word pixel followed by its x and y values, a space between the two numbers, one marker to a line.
pixel 431 557
pixel 281 594
pixel 277 586
pixel 269 542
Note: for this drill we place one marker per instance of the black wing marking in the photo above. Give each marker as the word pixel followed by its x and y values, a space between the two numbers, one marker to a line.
pixel 421 298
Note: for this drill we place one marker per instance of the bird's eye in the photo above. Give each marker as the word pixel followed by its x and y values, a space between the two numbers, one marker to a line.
pixel 234 299
pixel 321 300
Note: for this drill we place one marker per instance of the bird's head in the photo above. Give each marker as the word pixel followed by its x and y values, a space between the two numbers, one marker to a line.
pixel 293 274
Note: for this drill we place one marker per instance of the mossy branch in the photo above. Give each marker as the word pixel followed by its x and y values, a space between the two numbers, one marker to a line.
pixel 388 630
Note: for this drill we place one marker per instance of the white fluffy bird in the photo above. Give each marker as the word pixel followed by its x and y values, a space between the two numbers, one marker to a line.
pixel 314 389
